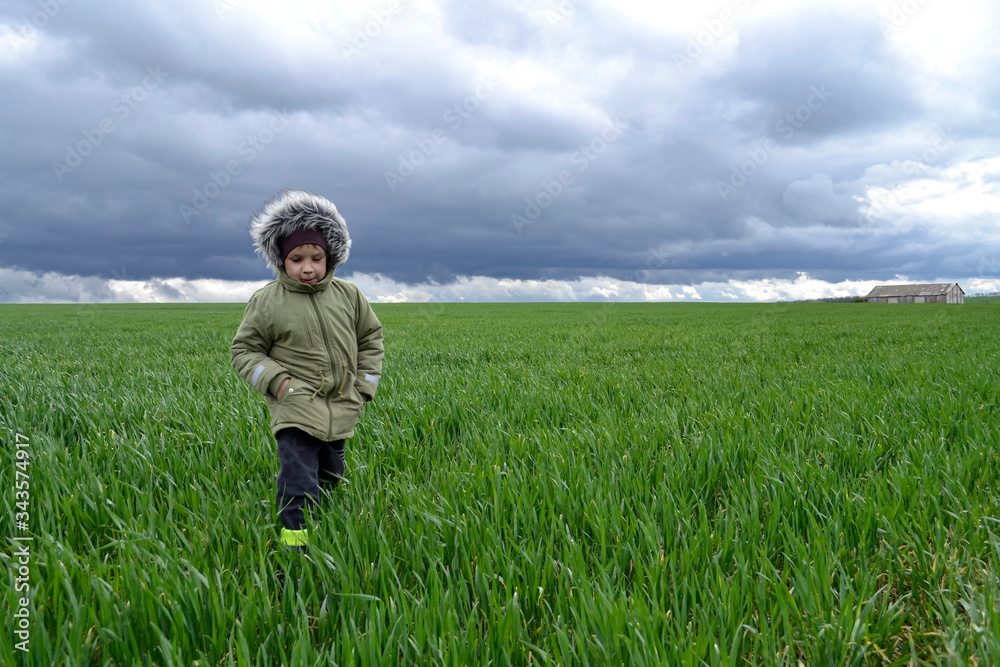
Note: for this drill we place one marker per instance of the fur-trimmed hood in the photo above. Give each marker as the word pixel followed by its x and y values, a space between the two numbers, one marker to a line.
pixel 289 211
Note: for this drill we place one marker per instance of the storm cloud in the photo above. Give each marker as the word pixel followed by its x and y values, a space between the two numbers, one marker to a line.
pixel 503 149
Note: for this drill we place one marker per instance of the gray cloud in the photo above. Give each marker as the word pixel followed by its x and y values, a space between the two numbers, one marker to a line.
pixel 480 144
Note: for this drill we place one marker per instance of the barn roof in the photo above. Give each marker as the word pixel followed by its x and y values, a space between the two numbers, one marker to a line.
pixel 930 289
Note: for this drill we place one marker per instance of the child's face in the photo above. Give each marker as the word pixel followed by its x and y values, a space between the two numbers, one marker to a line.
pixel 306 263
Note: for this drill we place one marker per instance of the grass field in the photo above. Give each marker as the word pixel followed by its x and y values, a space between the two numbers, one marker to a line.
pixel 535 484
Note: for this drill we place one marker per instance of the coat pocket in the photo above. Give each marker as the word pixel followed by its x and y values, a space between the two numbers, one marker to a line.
pixel 295 406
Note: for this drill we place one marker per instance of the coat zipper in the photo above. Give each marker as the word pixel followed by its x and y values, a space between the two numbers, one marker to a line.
pixel 329 351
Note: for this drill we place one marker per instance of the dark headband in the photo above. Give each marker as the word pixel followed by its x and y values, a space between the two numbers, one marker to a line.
pixel 301 236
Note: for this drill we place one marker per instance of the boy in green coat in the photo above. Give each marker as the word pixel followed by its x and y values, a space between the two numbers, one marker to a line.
pixel 310 343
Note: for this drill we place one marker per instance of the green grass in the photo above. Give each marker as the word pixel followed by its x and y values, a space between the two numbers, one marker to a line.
pixel 535 484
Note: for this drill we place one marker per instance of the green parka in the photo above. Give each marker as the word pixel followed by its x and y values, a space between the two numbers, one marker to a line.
pixel 326 339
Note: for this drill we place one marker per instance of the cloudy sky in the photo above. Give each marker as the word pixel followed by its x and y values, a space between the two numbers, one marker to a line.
pixel 503 149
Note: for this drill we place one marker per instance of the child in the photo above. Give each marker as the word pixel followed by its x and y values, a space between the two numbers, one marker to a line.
pixel 311 345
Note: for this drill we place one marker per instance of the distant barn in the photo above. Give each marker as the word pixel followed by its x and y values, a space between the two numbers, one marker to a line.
pixel 932 293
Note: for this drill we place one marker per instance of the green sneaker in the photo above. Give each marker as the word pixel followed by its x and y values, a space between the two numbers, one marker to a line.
pixel 296 540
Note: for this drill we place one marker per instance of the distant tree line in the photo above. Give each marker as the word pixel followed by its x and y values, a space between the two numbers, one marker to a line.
pixel 835 299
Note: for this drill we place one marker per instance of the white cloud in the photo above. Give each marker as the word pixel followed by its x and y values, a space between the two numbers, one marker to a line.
pixel 960 200
pixel 25 287
pixel 942 34
pixel 21 286
pixel 174 290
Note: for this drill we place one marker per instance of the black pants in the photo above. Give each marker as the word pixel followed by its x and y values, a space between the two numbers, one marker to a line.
pixel 308 465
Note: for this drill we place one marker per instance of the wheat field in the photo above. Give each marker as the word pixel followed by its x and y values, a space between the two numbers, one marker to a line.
pixel 571 484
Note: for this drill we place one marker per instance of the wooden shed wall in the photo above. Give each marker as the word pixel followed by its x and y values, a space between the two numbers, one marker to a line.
pixel 953 295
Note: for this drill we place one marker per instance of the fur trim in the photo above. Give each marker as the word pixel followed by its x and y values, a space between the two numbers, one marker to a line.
pixel 291 210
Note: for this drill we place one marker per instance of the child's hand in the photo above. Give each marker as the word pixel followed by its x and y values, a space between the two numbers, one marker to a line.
pixel 281 389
